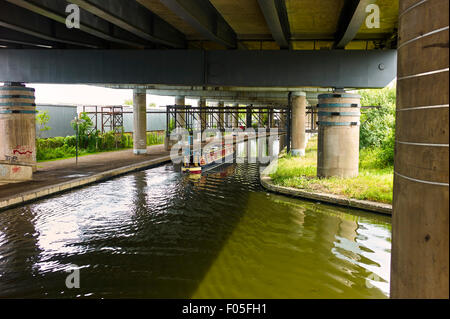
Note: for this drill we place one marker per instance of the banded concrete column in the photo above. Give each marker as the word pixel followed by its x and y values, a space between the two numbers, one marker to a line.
pixel 181 113
pixel 420 223
pixel 338 142
pixel 139 121
pixel 17 133
pixel 298 123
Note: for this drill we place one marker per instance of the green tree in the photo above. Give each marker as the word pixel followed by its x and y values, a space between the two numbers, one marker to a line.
pixel 378 124
pixel 83 129
pixel 42 119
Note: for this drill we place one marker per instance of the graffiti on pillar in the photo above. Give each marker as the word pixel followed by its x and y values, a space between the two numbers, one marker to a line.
pixel 7 170
pixel 22 152
pixel 16 169
pixel 11 159
pixel 3 170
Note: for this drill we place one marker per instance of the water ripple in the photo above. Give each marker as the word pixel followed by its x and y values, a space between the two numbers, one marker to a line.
pixel 158 234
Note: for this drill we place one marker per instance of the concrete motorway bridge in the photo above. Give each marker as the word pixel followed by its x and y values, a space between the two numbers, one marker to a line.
pixel 277 52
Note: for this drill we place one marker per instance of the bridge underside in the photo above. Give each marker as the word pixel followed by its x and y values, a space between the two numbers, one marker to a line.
pixel 258 52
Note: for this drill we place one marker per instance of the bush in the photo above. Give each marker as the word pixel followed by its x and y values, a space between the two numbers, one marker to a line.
pixel 65 147
pixel 378 124
pixel 70 141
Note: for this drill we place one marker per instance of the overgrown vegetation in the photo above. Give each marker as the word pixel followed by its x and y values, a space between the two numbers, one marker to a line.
pixel 42 119
pixel 373 183
pixel 377 133
pixel 90 142
pixel 376 159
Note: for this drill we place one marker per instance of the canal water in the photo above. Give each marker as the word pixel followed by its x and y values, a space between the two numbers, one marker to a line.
pixel 159 234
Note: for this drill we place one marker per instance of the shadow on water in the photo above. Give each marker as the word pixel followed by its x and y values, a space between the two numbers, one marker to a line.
pixel 158 234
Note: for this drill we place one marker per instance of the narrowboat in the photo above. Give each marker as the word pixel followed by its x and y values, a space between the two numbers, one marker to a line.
pixel 195 163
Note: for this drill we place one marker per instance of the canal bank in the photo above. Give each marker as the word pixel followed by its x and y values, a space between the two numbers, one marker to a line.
pixel 266 182
pixel 303 171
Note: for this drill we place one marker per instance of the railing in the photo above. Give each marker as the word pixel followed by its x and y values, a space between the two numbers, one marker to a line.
pixel 222 118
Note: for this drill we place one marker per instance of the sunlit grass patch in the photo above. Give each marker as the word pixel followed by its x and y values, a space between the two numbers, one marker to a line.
pixel 374 182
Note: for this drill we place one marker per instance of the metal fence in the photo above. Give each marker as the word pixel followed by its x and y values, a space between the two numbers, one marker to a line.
pixel 109 118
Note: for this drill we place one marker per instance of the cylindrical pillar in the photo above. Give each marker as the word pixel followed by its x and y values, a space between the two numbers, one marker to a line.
pixel 236 116
pixel 249 118
pixel 227 117
pixel 282 128
pixel 221 122
pixel 420 223
pixel 313 103
pixel 338 144
pixel 203 116
pixel 270 123
pixel 18 125
pixel 139 122
pixel 181 112
pixel 298 123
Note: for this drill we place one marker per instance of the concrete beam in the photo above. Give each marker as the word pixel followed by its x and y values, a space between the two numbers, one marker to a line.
pixel 203 17
pixel 281 68
pixel 136 19
pixel 23 21
pixel 274 12
pixel 90 24
pixel 352 17
pixel 9 36
pixel 311 91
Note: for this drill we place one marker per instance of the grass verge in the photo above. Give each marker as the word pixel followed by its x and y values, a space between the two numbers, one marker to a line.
pixel 374 183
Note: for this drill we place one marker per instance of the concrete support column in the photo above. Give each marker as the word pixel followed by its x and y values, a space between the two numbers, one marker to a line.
pixel 221 122
pixel 338 141
pixel 139 121
pixel 236 116
pixel 313 103
pixel 420 221
pixel 283 137
pixel 270 123
pixel 17 133
pixel 227 117
pixel 181 114
pixel 298 123
pixel 203 115
pixel 248 122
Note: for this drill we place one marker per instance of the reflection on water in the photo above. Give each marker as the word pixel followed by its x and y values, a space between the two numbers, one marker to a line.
pixel 157 234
